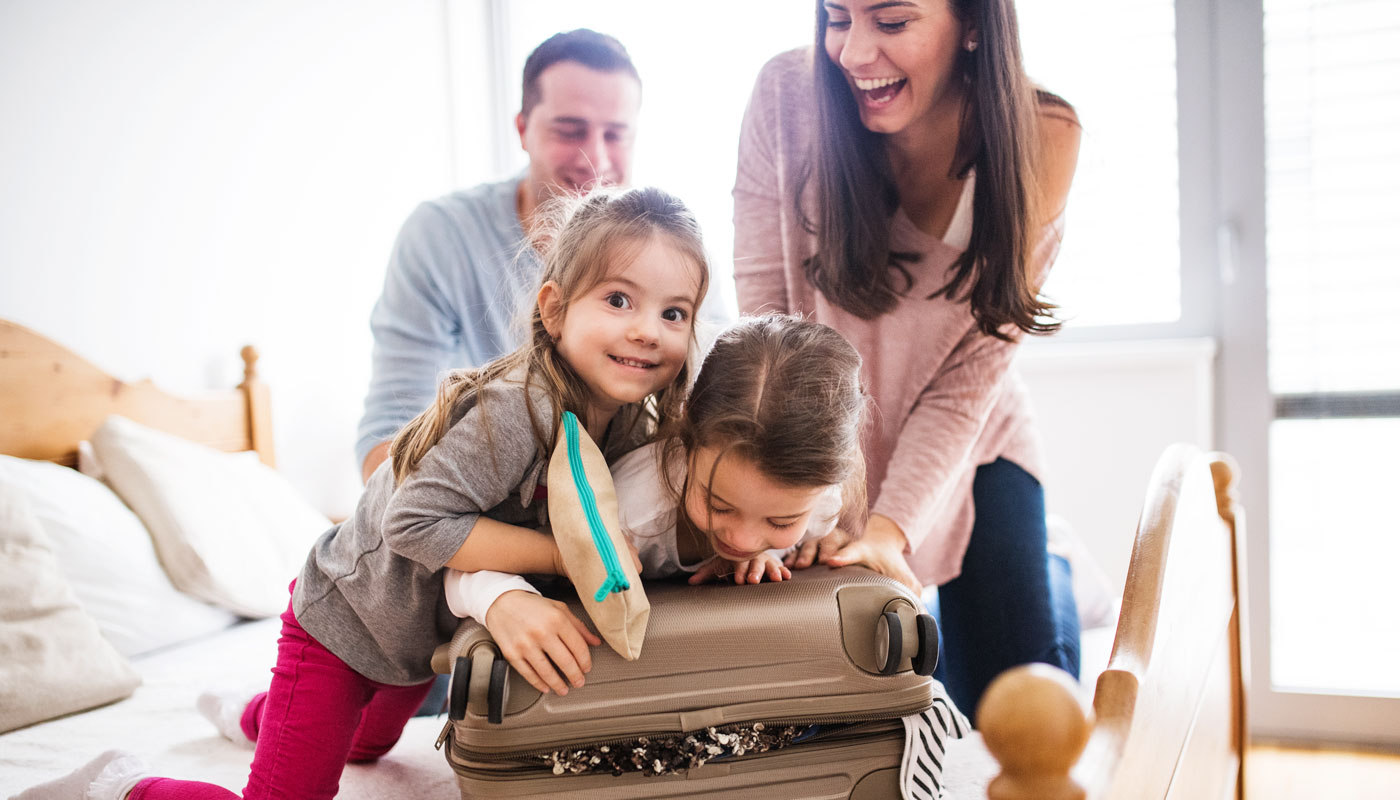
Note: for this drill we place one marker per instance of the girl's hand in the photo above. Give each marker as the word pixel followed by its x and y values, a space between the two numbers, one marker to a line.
pixel 817 551
pixel 881 549
pixel 541 638
pixel 750 571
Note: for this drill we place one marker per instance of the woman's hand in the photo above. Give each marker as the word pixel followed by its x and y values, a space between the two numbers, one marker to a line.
pixel 881 549
pixel 751 571
pixel 541 638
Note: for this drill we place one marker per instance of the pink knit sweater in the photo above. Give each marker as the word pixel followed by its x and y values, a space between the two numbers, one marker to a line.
pixel 945 397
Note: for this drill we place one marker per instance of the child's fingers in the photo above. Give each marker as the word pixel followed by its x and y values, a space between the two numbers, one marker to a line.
pixel 707 571
pixel 829 545
pixel 805 555
pixel 566 661
pixel 756 569
pixel 545 669
pixel 588 636
pixel 524 670
pixel 775 570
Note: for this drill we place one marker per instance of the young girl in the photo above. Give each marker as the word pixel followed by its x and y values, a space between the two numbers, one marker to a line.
pixel 766 456
pixel 609 340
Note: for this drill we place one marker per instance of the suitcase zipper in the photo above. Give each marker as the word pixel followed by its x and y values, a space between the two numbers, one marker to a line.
pixel 833 719
pixel 518 763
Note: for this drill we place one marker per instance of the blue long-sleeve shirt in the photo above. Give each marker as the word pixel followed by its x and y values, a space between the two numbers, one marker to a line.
pixel 459 278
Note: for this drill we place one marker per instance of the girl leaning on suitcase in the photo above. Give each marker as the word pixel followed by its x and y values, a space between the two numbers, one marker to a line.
pixel 610 339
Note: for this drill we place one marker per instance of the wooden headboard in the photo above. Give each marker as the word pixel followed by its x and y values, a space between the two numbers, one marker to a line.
pixel 51 398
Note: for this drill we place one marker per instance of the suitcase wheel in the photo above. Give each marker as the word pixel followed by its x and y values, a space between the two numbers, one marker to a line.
pixel 894 644
pixel 498 693
pixel 457 689
pixel 927 657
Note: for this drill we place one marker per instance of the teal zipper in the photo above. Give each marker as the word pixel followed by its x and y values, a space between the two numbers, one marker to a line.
pixel 616 580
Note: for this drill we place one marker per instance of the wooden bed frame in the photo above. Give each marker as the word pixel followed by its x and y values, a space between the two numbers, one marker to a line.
pixel 1168 715
pixel 52 399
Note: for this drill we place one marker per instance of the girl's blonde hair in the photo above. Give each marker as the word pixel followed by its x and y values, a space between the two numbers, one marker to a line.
pixel 783 393
pixel 587 240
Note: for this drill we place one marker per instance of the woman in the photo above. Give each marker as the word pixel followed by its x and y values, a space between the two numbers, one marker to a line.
pixel 905 183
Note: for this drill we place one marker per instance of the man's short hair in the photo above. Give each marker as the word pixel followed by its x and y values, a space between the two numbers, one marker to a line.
pixel 589 48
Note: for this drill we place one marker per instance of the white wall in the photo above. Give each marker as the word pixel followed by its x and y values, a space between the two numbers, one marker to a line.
pixel 180 178
pixel 1107 410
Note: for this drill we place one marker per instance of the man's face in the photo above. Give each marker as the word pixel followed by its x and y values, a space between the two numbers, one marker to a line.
pixel 581 132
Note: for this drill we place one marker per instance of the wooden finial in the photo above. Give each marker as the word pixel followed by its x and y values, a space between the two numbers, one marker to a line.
pixel 1036 724
pixel 1224 470
pixel 250 362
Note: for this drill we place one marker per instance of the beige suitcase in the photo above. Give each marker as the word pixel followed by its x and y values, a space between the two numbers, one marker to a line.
pixel 831 659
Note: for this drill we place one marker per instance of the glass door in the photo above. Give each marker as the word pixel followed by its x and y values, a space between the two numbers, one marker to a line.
pixel 1312 406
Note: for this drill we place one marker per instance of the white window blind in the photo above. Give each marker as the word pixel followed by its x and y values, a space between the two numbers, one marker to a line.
pixel 1332 127
pixel 1332 171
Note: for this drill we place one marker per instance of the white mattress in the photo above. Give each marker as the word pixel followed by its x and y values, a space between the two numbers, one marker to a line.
pixel 160 724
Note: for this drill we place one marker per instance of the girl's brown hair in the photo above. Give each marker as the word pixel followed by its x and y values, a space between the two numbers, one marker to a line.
pixel 856 197
pixel 587 239
pixel 784 394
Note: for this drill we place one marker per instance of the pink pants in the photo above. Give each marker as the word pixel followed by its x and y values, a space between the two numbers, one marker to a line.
pixel 317 715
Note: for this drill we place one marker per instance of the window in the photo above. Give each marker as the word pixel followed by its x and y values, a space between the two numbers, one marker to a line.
pixel 1332 106
pixel 1120 263
pixel 698 63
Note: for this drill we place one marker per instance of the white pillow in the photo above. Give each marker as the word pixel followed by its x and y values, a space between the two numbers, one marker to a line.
pixel 53 660
pixel 227 529
pixel 106 556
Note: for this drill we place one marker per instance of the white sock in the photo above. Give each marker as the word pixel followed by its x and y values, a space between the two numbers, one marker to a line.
pixel 224 709
pixel 118 778
pixel 110 776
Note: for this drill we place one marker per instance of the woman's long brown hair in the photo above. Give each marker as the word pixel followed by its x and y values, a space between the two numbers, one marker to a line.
pixel 854 265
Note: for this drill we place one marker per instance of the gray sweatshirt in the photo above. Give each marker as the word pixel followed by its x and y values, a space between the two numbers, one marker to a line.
pixel 371 590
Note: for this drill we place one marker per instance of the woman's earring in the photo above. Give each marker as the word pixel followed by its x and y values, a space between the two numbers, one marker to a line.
pixel 970 45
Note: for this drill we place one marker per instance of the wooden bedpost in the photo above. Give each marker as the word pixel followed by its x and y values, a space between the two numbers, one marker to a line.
pixel 259 405
pixel 1224 470
pixel 1035 722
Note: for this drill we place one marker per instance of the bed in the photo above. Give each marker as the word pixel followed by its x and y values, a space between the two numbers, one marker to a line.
pixel 1167 717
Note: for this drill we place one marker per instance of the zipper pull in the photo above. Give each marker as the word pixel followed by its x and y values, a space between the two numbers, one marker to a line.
pixel 442 737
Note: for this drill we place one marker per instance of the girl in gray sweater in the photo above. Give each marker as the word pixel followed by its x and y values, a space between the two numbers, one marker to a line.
pixel 610 340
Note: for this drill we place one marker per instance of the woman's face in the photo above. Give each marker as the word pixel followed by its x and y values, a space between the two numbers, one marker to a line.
pixel 898 58
pixel 744 511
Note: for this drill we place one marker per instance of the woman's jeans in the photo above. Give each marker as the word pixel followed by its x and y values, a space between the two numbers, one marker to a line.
pixel 1012 604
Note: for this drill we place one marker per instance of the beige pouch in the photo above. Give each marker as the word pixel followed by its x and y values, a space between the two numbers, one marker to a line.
pixel 583 516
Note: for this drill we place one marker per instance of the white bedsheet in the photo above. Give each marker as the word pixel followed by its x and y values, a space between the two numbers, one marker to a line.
pixel 160 724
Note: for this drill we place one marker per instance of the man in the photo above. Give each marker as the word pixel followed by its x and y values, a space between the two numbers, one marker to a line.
pixel 461 270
